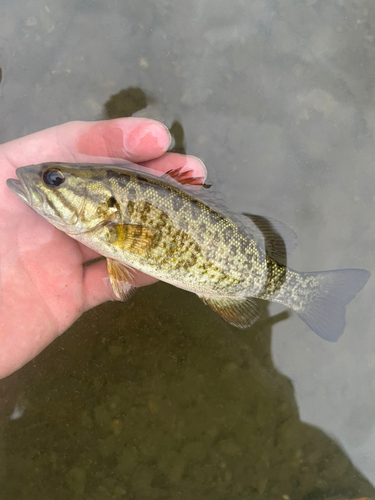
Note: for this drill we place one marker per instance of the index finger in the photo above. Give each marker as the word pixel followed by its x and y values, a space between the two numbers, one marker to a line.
pixel 132 139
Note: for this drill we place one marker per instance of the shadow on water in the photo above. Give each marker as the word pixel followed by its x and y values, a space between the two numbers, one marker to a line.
pixel 160 398
pixel 126 103
pixel 131 100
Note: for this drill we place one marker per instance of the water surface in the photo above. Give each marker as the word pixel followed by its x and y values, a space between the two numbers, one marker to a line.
pixel 159 398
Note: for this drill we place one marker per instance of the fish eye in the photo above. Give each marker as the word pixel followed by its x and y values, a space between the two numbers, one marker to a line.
pixel 53 178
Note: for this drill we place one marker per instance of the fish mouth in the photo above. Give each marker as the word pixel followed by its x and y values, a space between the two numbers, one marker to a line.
pixel 17 187
pixel 20 187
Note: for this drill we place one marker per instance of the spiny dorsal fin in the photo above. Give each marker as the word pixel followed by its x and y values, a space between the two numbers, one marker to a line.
pixel 185 177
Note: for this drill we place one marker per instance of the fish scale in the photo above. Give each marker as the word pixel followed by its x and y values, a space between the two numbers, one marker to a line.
pixel 181 234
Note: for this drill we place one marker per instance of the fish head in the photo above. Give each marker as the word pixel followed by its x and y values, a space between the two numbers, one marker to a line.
pixel 73 198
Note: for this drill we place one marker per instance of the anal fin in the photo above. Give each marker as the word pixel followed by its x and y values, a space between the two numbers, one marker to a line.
pixel 239 312
pixel 121 278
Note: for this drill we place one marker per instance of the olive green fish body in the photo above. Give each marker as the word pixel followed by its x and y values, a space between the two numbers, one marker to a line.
pixel 183 236
pixel 188 244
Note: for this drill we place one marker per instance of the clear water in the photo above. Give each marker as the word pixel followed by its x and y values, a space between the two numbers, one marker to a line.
pixel 159 398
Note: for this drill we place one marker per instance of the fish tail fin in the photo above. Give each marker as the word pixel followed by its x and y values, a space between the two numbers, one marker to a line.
pixel 328 294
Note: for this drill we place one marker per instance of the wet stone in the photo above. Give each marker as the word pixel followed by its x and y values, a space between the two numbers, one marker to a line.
pixel 195 451
pixel 31 21
pixel 127 461
pixel 76 479
pixel 142 478
pixel 108 446
pixel 229 447
pixel 102 416
pixel 173 466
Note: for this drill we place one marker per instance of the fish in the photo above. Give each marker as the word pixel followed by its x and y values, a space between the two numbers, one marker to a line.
pixel 175 229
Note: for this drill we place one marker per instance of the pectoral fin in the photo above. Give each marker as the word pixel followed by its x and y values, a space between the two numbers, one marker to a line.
pixel 241 313
pixel 131 237
pixel 121 278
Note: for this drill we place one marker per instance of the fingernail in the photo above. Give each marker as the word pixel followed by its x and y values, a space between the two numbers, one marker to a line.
pixel 149 138
pixel 203 165
pixel 171 140
pixel 172 144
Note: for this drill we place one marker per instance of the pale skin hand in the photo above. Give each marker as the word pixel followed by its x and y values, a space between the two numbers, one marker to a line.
pixel 44 287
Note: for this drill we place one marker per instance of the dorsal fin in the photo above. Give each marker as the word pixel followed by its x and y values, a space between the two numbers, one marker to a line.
pixel 185 177
pixel 279 239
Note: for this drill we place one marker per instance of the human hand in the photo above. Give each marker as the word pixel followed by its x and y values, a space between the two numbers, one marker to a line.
pixel 44 287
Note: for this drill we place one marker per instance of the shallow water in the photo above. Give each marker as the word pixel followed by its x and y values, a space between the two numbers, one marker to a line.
pixel 159 398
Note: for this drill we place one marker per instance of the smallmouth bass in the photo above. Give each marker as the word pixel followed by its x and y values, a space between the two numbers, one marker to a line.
pixel 177 232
